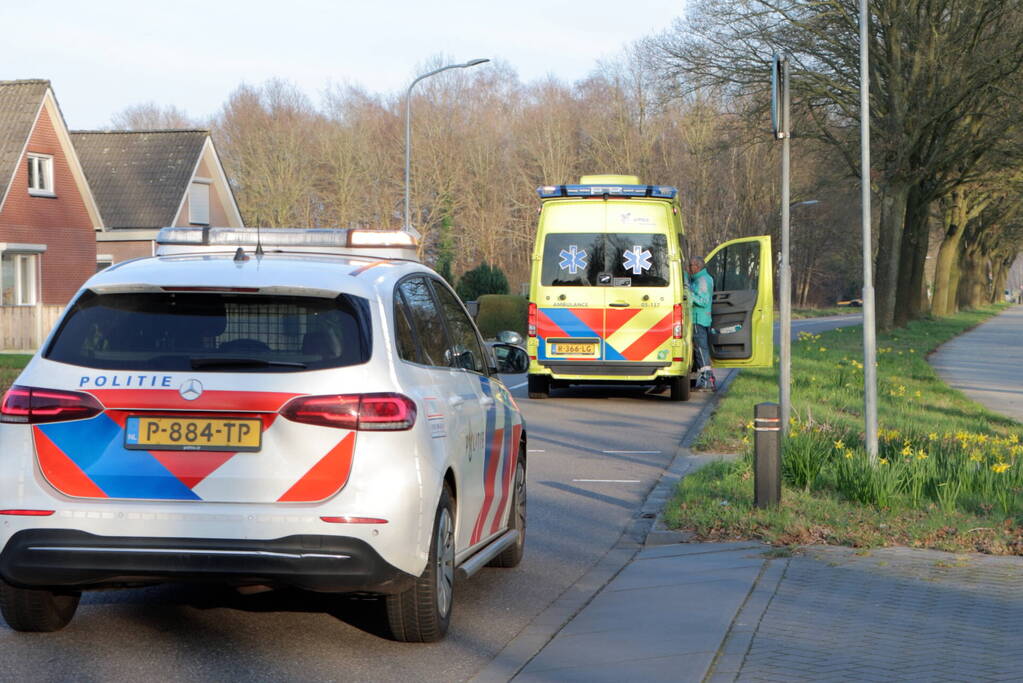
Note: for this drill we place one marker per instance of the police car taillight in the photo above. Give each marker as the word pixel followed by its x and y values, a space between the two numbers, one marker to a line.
pixel 363 412
pixel 676 322
pixel 531 320
pixel 29 405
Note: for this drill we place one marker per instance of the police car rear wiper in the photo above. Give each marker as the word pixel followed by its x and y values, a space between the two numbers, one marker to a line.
pixel 215 361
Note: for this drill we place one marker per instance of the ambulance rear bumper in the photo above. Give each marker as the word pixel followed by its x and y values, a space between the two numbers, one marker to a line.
pixel 607 368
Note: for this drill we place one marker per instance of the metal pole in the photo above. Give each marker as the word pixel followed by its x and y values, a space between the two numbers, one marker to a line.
pixel 869 331
pixel 408 126
pixel 785 295
pixel 766 455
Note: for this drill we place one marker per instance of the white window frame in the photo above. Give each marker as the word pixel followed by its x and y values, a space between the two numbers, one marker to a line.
pixel 23 295
pixel 194 217
pixel 40 175
pixel 106 259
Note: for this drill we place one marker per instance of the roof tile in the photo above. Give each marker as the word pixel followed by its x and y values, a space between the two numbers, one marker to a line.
pixel 19 104
pixel 139 177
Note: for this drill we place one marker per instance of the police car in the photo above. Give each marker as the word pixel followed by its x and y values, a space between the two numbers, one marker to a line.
pixel 304 408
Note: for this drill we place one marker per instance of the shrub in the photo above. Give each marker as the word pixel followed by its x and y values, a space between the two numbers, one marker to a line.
pixel 483 279
pixel 498 312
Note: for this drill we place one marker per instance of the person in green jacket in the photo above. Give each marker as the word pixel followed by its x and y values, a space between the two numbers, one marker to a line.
pixel 701 289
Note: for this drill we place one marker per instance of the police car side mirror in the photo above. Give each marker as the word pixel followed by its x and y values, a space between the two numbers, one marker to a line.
pixel 511 359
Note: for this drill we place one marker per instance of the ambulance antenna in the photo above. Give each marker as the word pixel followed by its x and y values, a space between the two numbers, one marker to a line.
pixel 259 243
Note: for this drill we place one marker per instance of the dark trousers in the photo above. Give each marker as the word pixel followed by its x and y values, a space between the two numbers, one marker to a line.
pixel 701 349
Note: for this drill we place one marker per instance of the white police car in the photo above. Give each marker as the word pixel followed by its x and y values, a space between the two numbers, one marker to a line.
pixel 318 412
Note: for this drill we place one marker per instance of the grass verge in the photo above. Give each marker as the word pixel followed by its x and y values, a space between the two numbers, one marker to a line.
pixel 10 367
pixel 950 474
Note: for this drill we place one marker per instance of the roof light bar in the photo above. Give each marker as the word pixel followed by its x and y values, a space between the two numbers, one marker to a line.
pixel 379 243
pixel 656 191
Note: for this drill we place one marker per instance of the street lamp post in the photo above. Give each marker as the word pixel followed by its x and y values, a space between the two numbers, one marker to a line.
pixel 869 332
pixel 408 125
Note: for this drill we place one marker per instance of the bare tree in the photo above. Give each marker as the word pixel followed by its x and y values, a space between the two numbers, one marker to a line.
pixel 152 116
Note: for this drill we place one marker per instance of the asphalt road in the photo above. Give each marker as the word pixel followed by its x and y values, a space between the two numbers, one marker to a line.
pixel 594 455
pixel 815 325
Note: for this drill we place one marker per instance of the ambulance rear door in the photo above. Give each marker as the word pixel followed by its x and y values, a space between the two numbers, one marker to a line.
pixel 638 284
pixel 570 304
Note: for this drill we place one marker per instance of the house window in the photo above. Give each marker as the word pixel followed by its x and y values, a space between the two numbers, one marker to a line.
pixel 18 279
pixel 199 203
pixel 104 261
pixel 40 175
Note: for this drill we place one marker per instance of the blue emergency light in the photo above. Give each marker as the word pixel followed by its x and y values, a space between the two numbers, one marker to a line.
pixel 657 191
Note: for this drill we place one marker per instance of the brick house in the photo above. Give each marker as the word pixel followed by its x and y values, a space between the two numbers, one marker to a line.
pixel 147 180
pixel 48 216
pixel 74 202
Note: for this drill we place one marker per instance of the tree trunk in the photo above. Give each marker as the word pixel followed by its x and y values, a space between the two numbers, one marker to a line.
pixel 943 301
pixel 973 282
pixel 893 215
pixel 998 286
pixel 912 259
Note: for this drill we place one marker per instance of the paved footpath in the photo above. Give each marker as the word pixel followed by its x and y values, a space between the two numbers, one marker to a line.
pixel 986 363
pixel 740 612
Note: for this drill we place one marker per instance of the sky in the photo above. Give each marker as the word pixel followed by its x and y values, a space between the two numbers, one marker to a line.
pixel 106 55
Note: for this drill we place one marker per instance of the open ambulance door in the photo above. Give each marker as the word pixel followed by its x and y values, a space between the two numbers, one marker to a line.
pixel 742 311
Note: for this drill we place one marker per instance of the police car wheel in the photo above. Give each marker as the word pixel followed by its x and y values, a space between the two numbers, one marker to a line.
pixel 422 613
pixel 33 610
pixel 512 556
pixel 539 386
pixel 679 388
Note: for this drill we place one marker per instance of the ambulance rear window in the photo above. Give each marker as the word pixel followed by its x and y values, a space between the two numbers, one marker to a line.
pixel 213 332
pixel 572 259
pixel 624 259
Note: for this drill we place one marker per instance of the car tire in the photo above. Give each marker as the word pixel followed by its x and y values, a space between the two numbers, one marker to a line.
pixel 422 613
pixel 512 555
pixel 679 388
pixel 35 610
pixel 539 386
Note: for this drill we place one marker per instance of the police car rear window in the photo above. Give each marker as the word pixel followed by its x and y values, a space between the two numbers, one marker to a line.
pixel 213 332
pixel 606 260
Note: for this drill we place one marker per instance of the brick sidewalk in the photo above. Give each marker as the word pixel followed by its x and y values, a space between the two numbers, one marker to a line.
pixel 886 614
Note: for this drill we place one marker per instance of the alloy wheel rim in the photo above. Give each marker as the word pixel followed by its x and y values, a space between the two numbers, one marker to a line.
pixel 445 562
pixel 520 501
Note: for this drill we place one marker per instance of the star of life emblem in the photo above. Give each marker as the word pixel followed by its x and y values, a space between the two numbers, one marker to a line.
pixel 638 260
pixel 573 260
pixel 190 389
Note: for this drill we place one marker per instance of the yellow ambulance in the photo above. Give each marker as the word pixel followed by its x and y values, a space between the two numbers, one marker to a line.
pixel 607 297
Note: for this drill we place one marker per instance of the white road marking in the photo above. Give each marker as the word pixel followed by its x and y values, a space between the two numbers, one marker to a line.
pixel 520 384
pixel 531 450
pixel 607 481
pixel 632 452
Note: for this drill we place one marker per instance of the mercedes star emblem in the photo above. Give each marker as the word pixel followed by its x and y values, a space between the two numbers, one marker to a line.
pixel 191 389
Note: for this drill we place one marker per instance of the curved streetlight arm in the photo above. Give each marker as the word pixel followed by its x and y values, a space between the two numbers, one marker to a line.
pixel 408 124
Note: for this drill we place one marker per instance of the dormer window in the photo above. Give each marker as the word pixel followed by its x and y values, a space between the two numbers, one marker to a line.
pixel 40 175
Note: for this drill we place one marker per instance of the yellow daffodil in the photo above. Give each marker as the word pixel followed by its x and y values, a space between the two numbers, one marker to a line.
pixel 839 444
pixel 999 467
